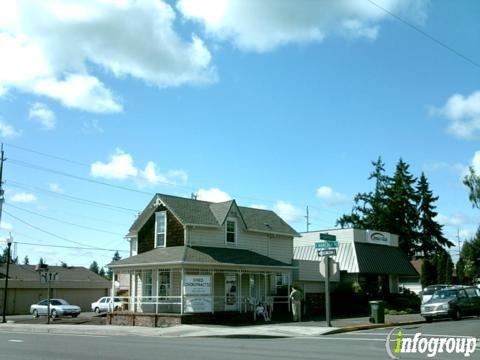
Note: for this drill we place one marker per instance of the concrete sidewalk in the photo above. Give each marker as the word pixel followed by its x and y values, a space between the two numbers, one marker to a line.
pixel 299 329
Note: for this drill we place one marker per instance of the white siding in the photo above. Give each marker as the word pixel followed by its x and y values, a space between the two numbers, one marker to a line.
pixel 278 247
pixel 310 271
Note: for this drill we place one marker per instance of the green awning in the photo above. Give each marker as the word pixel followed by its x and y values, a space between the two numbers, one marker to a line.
pixel 381 259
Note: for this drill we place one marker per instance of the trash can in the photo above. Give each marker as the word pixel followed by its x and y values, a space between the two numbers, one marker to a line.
pixel 377 312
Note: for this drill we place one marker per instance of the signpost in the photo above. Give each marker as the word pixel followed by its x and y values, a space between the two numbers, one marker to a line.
pixel 327 248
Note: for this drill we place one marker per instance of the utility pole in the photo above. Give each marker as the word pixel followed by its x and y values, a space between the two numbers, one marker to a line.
pixel 2 199
pixel 308 220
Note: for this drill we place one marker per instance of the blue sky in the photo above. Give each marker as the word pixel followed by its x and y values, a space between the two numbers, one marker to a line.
pixel 278 104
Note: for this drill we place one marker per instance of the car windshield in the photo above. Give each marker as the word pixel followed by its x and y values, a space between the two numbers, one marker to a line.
pixel 58 302
pixel 444 294
pixel 430 290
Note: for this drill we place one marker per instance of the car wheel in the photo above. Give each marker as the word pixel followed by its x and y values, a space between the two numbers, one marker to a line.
pixel 35 314
pixel 53 313
pixel 74 315
pixel 428 319
pixel 97 310
pixel 457 315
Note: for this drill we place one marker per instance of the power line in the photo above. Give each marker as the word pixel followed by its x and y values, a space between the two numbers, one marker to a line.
pixel 424 33
pixel 98 182
pixel 85 164
pixel 71 198
pixel 45 231
pixel 63 221
pixel 69 247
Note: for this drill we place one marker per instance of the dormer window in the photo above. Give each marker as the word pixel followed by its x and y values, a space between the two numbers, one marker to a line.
pixel 231 231
pixel 160 229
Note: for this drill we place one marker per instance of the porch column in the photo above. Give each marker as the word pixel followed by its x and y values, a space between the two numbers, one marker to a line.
pixel 288 293
pixel 155 291
pixel 182 293
pixel 112 292
pixel 265 287
pixel 213 291
pixel 240 300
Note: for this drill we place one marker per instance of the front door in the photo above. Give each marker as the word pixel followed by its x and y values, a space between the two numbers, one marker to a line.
pixel 231 292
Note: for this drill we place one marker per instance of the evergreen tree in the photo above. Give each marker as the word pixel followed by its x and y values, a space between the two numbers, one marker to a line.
pixel 115 258
pixel 369 210
pixel 440 263
pixel 472 181
pixel 430 233
pixel 4 257
pixel 448 270
pixel 402 218
pixel 429 273
pixel 102 272
pixel 26 261
pixel 63 264
pixel 41 261
pixel 94 267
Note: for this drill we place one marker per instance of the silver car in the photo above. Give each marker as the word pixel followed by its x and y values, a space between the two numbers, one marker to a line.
pixel 105 304
pixel 58 307
pixel 453 302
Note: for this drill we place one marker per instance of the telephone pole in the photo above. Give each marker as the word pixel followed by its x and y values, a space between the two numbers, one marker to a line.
pixel 2 199
pixel 308 220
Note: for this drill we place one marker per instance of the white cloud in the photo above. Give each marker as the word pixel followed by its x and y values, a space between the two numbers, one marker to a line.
pixel 7 130
pixel 55 49
pixel 92 127
pixel 121 166
pixel 332 198
pixel 42 114
pixel 476 162
pixel 454 219
pixel 213 195
pixel 289 212
pixel 463 113
pixel 23 197
pixel 56 188
pixel 6 226
pixel 264 25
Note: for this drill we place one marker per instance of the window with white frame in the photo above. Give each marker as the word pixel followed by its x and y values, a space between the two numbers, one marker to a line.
pixel 147 283
pixel 160 229
pixel 133 246
pixel 163 283
pixel 231 231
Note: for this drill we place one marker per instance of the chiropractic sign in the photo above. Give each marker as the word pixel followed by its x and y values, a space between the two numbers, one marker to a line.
pixel 400 343
pixel 197 290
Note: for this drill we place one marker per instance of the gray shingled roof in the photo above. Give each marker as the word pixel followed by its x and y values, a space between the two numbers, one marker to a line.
pixel 199 255
pixel 198 212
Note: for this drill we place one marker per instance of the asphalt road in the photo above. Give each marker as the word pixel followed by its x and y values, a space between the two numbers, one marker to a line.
pixel 355 345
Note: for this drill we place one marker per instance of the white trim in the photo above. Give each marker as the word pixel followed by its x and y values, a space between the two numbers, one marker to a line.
pixel 210 265
pixel 155 234
pixel 235 233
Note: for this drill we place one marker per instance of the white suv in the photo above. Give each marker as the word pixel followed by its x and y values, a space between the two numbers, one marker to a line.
pixel 105 304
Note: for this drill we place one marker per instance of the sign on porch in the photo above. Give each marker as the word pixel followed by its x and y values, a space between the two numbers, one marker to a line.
pixel 198 293
pixel 197 285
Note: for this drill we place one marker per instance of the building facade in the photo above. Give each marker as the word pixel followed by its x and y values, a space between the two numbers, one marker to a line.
pixel 191 256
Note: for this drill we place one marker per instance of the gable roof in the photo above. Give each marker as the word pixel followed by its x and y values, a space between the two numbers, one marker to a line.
pixel 73 275
pixel 205 213
pixel 199 255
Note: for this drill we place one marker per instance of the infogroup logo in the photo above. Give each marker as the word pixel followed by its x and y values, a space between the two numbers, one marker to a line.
pixel 400 343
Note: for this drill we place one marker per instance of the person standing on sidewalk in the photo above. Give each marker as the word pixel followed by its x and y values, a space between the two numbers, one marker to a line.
pixel 296 297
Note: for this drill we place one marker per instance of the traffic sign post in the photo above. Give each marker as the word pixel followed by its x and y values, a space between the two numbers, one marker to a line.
pixel 327 248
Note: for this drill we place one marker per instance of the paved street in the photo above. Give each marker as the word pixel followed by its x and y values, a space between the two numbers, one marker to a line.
pixel 354 345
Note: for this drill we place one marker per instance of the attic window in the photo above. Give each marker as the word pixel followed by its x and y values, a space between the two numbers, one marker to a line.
pixel 160 228
pixel 231 231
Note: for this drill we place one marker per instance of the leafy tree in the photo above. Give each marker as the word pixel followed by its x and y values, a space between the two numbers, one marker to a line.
pixel 430 234
pixel 116 257
pixel 4 257
pixel 41 261
pixel 94 267
pixel 468 265
pixel 26 261
pixel 63 264
pixel 472 181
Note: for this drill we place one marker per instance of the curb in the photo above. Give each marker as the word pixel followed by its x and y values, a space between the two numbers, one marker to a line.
pixel 372 326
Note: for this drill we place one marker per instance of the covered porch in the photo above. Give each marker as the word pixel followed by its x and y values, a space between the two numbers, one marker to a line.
pixel 195 280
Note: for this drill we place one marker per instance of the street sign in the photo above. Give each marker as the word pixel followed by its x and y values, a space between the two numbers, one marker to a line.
pixel 326 245
pixel 327 237
pixel 327 252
